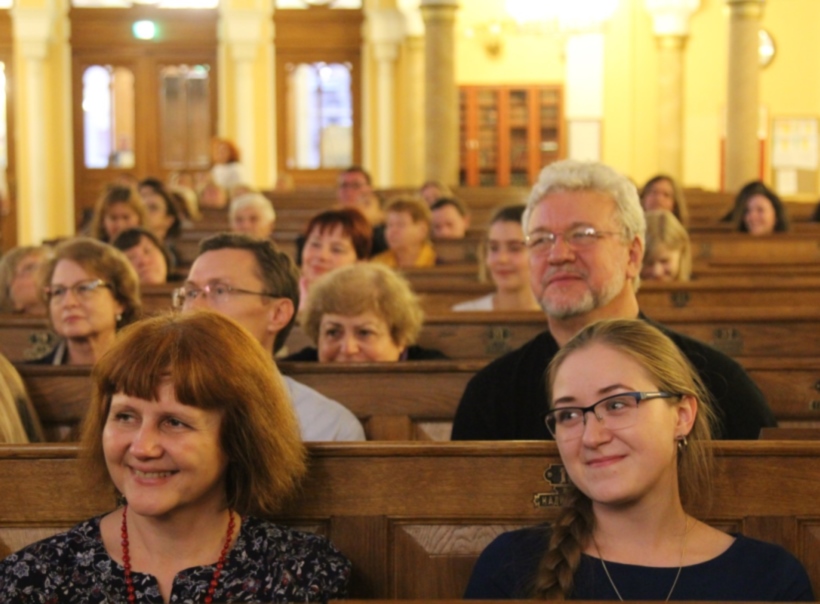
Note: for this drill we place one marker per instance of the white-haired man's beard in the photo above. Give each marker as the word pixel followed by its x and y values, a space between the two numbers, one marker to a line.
pixel 565 305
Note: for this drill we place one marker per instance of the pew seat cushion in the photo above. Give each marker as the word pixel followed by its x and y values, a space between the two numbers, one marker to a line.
pixel 749 570
pixel 507 399
pixel 268 563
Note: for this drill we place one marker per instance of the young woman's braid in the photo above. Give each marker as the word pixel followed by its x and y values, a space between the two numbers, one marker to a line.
pixel 570 533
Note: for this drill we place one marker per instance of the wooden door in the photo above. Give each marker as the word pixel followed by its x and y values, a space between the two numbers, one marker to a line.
pixel 300 49
pixel 141 107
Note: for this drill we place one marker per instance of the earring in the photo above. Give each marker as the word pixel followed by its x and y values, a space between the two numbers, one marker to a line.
pixel 118 317
pixel 682 443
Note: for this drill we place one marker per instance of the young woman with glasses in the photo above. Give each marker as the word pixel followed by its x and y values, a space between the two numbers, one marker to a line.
pixel 91 291
pixel 632 423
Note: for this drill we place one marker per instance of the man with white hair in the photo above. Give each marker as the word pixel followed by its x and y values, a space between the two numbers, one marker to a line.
pixel 585 231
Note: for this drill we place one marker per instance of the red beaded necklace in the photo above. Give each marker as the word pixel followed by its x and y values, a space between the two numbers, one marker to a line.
pixel 126 559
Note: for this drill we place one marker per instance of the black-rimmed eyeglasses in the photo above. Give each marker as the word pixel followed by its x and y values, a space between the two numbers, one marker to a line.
pixel 615 412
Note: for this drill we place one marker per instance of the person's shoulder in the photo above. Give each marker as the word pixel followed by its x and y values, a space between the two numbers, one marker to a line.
pixel 774 567
pixel 538 350
pixel 286 543
pixel 322 418
pixel 770 555
pixel 507 566
pixel 417 353
pixel 479 304
pixel 50 560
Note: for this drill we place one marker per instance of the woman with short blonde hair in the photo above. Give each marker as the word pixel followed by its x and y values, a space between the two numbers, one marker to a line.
pixel 363 312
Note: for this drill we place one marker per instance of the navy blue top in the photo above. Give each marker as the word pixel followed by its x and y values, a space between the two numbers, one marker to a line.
pixel 749 570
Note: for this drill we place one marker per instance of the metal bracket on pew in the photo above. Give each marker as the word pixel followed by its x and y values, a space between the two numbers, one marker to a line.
pixel 556 476
pixel 728 340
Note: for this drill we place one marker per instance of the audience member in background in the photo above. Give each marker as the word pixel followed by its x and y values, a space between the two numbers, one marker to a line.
pixel 449 218
pixel 352 183
pixel 200 452
pixel 661 192
pixel 363 313
pixel 668 255
pixel 252 214
pixel 252 282
pixel 333 239
pixel 91 291
pixel 507 259
pixel 146 254
pixel 19 423
pixel 212 196
pixel 632 422
pixel 19 289
pixel 163 216
pixel 759 211
pixel 226 172
pixel 407 233
pixel 433 190
pixel 187 201
pixel 585 232
pixel 119 208
pixel 354 190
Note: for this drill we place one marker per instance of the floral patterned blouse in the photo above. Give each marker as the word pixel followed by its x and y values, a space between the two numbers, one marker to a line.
pixel 267 563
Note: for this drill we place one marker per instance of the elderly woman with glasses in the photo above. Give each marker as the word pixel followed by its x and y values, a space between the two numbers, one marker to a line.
pixel 91 291
pixel 632 422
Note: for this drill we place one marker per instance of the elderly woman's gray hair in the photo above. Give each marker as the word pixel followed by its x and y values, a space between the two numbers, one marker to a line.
pixel 360 288
pixel 256 200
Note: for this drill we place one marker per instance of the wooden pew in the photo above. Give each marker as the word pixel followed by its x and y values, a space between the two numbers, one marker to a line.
pixel 411 400
pixel 23 338
pixel 423 395
pixel 742 331
pixel 439 295
pixel 414 517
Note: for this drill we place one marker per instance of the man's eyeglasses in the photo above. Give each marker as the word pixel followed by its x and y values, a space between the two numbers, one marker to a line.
pixel 615 412
pixel 217 292
pixel 542 242
pixel 82 290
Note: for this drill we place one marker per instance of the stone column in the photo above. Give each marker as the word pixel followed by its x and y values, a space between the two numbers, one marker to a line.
pixel 32 31
pixel 243 35
pixel 742 98
pixel 670 20
pixel 440 92
pixel 413 151
pixel 386 30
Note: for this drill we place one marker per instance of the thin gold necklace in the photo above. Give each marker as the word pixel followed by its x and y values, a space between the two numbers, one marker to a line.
pixel 677 576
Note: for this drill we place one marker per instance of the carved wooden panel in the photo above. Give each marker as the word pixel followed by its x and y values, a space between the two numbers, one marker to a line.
pixel 434 560
pixel 808 549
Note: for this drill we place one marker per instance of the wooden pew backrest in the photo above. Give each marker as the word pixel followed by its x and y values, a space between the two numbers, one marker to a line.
pixel 413 518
